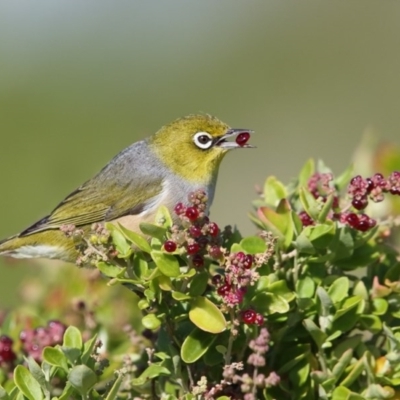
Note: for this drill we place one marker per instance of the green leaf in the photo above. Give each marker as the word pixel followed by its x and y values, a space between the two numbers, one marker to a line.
pixel 372 323
pixel 309 203
pixel 306 172
pixel 339 289
pixel 140 266
pixel 119 241
pixel 280 288
pixel 326 208
pixel 153 231
pixel 27 384
pixel 342 393
pixel 163 217
pixel 180 296
pixel 342 363
pixel 82 378
pixel 3 394
pixel 110 270
pixel 206 315
pixel 113 392
pixel 71 353
pixel 274 191
pixel 56 357
pixel 88 349
pixel 151 321
pixel 272 221
pixel 315 332
pixel 270 303
pixel 37 373
pixel 253 245
pixel 380 306
pixel 343 243
pixel 166 263
pixel 72 338
pixel 151 372
pixel 138 240
pixel 320 235
pixel 305 287
pixel 304 245
pixel 198 284
pixel 195 345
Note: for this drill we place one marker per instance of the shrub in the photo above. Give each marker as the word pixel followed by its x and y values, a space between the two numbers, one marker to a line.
pixel 309 308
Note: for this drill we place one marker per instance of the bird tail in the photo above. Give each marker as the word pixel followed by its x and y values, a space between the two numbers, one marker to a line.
pixel 46 244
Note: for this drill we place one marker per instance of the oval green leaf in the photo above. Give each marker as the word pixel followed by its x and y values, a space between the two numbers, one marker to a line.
pixel 27 384
pixel 73 338
pixel 151 321
pixel 56 357
pixel 138 240
pixel 206 315
pixel 166 263
pixel 196 345
pixel 82 378
pixel 253 245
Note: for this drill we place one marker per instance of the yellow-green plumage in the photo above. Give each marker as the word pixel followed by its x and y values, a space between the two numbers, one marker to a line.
pixel 162 169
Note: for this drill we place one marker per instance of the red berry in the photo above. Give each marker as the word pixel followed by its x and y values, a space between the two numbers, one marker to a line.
pixel 195 231
pixel 215 252
pixel 359 204
pixel 259 320
pixel 355 180
pixel 224 289
pixel 6 352
pixel 192 248
pixel 198 261
pixel 170 246
pixel 395 191
pixel 362 226
pixel 352 220
pixel 249 316
pixel 213 229
pixel 242 138
pixel 305 219
pixel 248 261
pixel 370 185
pixel 216 279
pixel 192 213
pixel 179 209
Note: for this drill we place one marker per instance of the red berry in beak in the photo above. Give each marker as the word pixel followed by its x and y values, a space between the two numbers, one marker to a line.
pixel 242 138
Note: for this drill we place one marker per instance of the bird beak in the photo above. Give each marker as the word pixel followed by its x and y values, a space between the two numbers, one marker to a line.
pixel 240 136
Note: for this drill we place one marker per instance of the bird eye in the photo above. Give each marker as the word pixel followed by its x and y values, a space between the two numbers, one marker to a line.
pixel 203 140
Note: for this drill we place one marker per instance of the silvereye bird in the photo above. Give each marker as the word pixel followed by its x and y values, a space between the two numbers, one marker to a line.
pixel 163 169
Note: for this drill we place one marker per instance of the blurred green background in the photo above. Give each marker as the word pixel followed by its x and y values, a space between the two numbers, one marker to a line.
pixel 79 81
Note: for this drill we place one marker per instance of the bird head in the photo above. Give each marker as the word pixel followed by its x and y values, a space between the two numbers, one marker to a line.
pixel 193 146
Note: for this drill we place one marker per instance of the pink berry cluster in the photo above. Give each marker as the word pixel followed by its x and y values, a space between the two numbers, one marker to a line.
pixel 7 355
pixel 359 191
pixel 239 274
pixel 199 237
pixel 35 340
pixel 374 188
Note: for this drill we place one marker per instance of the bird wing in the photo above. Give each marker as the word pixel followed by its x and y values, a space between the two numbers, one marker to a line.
pixel 111 194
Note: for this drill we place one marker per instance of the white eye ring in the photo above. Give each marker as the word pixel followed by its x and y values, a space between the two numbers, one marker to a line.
pixel 203 140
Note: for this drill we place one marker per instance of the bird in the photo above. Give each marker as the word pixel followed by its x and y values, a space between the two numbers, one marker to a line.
pixel 163 169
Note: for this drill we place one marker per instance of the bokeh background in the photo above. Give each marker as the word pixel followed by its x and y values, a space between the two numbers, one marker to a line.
pixel 79 81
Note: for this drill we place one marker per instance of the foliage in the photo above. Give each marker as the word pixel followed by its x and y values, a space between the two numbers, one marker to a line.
pixel 307 309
